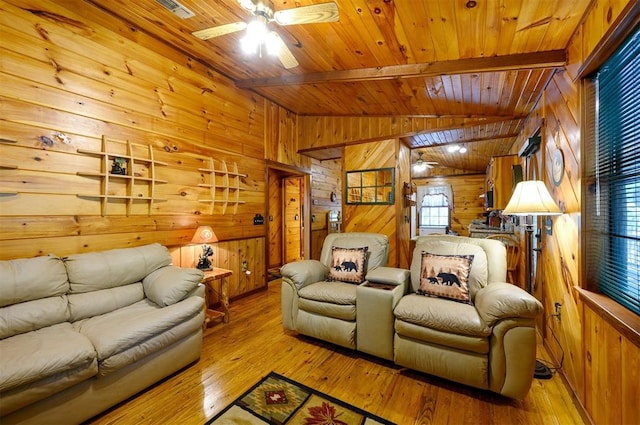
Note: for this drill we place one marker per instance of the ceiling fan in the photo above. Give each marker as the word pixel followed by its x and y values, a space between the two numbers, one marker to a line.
pixel 259 36
pixel 421 164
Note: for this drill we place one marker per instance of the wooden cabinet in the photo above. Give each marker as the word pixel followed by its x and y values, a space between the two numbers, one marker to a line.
pixel 501 179
pixel 127 174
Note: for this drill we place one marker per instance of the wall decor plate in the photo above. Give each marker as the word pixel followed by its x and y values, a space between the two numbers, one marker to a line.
pixel 557 164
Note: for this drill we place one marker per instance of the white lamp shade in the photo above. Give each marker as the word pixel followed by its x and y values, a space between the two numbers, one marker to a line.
pixel 531 198
pixel 204 234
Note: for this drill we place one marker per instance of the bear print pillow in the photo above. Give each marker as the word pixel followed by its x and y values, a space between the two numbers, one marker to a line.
pixel 347 264
pixel 445 276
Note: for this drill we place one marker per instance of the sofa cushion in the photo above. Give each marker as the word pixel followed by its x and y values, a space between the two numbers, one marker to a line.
pixel 474 344
pixel 445 276
pixel 95 303
pixel 347 264
pixel 134 330
pixel 36 355
pixel 441 314
pixel 168 285
pixel 107 269
pixel 330 292
pixel 478 276
pixel 28 279
pixel 32 315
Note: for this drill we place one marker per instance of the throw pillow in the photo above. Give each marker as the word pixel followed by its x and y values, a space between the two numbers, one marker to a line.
pixel 348 264
pixel 445 276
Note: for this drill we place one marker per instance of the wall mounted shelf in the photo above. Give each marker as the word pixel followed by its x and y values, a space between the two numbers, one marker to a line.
pixel 227 191
pixel 127 168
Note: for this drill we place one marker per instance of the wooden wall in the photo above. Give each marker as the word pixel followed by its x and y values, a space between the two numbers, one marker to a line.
pixel 466 198
pixel 600 363
pixel 374 218
pixel 326 177
pixel 70 74
pixel 317 132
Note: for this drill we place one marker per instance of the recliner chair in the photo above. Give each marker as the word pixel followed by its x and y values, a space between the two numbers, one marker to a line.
pixel 489 343
pixel 314 306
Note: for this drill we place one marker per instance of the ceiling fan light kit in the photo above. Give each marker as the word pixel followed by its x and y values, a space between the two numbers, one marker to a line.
pixel 258 35
pixel 421 164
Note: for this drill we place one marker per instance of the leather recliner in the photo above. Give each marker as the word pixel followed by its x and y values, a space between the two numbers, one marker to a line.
pixel 489 344
pixel 314 306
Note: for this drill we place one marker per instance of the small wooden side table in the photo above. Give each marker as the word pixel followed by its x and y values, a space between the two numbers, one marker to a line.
pixel 210 276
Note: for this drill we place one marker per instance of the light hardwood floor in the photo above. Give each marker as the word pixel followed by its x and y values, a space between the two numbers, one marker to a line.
pixel 236 355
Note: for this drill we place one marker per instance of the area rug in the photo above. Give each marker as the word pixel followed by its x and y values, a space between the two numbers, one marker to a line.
pixel 277 399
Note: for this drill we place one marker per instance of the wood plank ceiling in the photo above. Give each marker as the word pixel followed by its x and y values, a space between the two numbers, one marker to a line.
pixel 485 59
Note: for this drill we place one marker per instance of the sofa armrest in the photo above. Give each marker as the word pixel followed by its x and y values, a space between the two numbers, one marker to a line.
pixel 303 273
pixel 388 275
pixel 500 300
pixel 170 284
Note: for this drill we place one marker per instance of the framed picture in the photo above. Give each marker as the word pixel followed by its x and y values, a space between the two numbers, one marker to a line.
pixel 370 186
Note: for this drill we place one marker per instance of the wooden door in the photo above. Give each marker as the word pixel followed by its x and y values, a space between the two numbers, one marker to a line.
pixel 293 218
pixel 275 219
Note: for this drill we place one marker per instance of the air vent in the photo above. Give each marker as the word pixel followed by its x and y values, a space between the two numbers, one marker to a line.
pixel 176 8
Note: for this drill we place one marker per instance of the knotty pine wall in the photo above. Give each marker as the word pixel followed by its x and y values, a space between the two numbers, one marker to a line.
pixel 71 74
pixel 326 177
pixel 601 364
pixel 375 218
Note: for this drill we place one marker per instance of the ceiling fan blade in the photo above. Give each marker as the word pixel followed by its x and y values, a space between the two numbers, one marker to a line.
pixel 212 32
pixel 248 5
pixel 284 54
pixel 315 13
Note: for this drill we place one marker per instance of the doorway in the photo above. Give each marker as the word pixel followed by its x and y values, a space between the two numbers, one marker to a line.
pixel 293 222
pixel 288 215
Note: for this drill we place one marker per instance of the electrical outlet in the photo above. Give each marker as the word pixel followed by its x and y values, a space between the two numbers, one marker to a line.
pixel 557 306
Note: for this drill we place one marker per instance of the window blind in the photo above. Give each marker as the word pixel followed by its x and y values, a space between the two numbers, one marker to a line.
pixel 612 172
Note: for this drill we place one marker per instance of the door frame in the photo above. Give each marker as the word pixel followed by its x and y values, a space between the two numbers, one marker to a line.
pixel 290 171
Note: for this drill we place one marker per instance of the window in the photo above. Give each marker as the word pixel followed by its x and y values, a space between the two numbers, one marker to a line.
pixel 611 202
pixel 434 206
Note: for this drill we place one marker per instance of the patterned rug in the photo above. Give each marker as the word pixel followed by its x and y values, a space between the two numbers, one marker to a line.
pixel 279 400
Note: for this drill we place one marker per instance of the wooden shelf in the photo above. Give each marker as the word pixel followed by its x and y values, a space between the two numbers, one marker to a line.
pixel 131 155
pixel 228 192
pixel 120 176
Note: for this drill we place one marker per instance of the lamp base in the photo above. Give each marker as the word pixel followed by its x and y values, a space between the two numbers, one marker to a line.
pixel 542 371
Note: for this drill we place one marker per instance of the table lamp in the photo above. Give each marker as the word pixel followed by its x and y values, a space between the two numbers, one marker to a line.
pixel 204 235
pixel 531 198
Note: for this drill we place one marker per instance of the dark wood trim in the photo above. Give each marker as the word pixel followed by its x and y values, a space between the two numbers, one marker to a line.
pixel 287 168
pixel 534 60
pixel 623 320
pixel 618 32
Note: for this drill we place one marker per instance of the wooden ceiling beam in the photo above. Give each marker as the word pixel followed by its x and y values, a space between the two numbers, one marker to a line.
pixel 534 60
pixel 469 124
pixel 473 140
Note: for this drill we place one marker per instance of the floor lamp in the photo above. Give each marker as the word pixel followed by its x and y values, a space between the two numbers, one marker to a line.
pixel 531 198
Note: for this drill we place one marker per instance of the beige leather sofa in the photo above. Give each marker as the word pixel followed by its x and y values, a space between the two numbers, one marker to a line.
pixel 82 333
pixel 327 310
pixel 489 344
